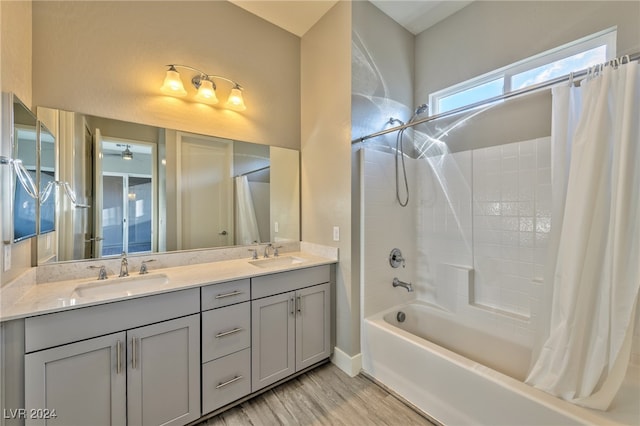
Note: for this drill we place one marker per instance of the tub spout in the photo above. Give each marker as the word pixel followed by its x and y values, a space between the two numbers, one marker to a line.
pixel 398 283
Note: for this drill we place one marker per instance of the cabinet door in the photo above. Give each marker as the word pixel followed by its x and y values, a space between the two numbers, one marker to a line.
pixel 83 382
pixel 312 325
pixel 163 370
pixel 272 339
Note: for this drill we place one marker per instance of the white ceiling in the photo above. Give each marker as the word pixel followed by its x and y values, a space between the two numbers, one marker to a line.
pixel 297 16
pixel 418 15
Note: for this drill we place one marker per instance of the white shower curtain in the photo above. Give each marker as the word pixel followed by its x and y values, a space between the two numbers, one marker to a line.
pixel 246 223
pixel 594 267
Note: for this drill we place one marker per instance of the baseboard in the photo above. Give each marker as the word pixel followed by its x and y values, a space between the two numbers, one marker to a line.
pixel 349 364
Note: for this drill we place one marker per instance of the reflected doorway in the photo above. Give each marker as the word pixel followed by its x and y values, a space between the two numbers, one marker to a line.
pixel 125 195
pixel 126 214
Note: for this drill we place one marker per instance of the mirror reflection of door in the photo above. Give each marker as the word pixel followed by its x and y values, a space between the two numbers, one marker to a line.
pixel 126 213
pixel 204 192
pixel 126 197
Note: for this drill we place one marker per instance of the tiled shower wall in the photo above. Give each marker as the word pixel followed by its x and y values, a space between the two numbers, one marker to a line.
pixel 478 223
pixel 511 223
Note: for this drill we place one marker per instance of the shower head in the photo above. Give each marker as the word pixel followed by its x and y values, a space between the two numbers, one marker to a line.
pixel 421 109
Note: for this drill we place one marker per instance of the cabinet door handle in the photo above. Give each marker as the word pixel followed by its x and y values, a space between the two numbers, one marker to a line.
pixel 233 293
pixel 292 307
pixel 235 379
pixel 227 333
pixel 134 353
pixel 118 357
pixel 299 304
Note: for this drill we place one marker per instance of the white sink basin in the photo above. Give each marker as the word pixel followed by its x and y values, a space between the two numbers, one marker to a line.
pixel 277 261
pixel 125 286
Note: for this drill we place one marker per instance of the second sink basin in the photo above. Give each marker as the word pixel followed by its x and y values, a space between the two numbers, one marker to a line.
pixel 125 286
pixel 277 261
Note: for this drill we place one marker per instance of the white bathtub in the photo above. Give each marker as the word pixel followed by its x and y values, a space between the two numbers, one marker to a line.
pixel 461 376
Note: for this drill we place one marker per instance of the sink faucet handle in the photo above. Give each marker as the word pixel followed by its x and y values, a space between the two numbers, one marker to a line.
pixel 254 256
pixel 276 253
pixel 143 266
pixel 102 274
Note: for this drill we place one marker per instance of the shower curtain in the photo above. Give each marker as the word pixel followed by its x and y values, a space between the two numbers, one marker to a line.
pixel 246 223
pixel 594 267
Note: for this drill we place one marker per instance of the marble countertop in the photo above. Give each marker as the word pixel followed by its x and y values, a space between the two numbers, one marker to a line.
pixel 42 298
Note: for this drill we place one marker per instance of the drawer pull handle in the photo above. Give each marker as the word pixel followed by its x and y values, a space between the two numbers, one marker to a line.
pixel 235 379
pixel 227 333
pixel 233 293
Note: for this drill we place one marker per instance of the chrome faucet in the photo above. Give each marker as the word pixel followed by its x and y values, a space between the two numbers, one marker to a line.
pixel 102 273
pixel 266 250
pixel 254 254
pixel 124 265
pixel 276 253
pixel 398 283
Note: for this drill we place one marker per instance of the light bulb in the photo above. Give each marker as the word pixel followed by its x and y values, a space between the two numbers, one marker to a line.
pixel 235 101
pixel 206 92
pixel 172 85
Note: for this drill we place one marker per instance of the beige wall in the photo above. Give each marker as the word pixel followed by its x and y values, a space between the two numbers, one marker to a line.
pixel 326 156
pixel 15 71
pixel 108 59
pixel 381 87
pixel 487 35
pixel 16 49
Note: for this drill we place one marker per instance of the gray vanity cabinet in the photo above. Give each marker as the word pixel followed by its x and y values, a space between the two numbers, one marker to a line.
pixel 146 374
pixel 77 382
pixel 290 330
pixel 273 339
pixel 163 373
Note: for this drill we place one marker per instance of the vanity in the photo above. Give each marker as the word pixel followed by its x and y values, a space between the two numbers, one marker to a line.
pixel 175 346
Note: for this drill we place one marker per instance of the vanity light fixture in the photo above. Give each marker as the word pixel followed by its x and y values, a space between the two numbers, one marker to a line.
pixel 206 88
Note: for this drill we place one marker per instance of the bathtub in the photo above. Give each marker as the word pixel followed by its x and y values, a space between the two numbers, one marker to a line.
pixel 461 376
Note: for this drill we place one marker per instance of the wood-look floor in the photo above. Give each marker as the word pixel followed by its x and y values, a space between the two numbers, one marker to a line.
pixel 323 396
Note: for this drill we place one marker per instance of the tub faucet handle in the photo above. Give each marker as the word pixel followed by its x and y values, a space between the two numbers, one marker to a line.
pixel 396 259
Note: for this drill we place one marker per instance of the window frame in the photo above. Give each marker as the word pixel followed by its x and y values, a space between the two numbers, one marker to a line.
pixel 606 37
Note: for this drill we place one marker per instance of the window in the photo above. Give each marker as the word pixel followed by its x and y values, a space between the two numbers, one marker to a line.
pixel 576 56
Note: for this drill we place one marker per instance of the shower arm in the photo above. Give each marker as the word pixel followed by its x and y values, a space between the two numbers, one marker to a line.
pixel 509 95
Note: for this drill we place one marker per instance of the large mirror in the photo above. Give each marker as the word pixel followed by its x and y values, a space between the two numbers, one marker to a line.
pixel 144 189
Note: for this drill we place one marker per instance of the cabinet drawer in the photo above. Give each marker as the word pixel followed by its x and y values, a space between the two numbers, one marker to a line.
pixel 226 330
pixel 283 282
pixel 224 294
pixel 225 380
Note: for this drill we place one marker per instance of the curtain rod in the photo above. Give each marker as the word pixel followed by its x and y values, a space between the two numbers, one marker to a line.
pixel 539 86
pixel 254 171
